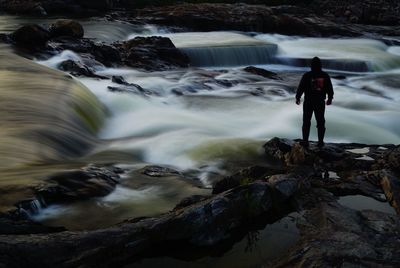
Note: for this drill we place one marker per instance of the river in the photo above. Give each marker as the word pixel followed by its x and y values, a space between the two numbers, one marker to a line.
pixel 220 118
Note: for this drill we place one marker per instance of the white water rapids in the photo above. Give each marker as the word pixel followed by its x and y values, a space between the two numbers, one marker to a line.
pixel 224 115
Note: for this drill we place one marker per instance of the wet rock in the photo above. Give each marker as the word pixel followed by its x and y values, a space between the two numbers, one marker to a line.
pixel 277 148
pixel 242 17
pixel 66 27
pixel 191 200
pixel 336 156
pixel 203 224
pixel 14 225
pixel 119 80
pixel 284 186
pixel 76 68
pixel 78 185
pixel 128 87
pixel 152 53
pixel 392 158
pixel 158 171
pixel 30 36
pixel 243 177
pixel 261 72
pixel 391 186
pixel 332 235
pixel 103 53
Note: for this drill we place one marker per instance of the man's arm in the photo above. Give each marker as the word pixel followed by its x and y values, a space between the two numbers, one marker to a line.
pixel 300 89
pixel 329 90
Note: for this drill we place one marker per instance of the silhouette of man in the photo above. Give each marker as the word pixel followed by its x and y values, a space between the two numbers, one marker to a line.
pixel 315 85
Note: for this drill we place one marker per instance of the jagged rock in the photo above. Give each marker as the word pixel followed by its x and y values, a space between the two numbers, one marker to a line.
pixel 392 158
pixel 244 176
pixel 261 72
pixel 202 224
pixel 75 68
pixel 77 185
pixel 335 236
pixel 157 171
pixel 337 156
pixel 128 87
pixel 191 200
pixel 277 148
pixel 13 225
pixel 103 53
pixel 284 185
pixel 152 53
pixel 391 186
pixel 66 27
pixel 119 80
pixel 31 36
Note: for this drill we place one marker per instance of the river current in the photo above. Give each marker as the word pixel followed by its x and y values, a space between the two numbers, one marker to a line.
pixel 222 114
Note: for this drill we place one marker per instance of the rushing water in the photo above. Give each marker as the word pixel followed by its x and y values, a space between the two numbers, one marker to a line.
pixel 223 115
pixel 202 122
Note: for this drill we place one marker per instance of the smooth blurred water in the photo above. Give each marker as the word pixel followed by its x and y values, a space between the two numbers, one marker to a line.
pixel 206 121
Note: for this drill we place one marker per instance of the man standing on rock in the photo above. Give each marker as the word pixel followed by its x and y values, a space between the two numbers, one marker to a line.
pixel 315 85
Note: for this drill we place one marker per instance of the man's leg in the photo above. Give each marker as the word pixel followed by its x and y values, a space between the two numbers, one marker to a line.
pixel 320 117
pixel 307 114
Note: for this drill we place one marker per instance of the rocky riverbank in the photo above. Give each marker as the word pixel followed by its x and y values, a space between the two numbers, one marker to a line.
pixel 307 180
pixel 310 181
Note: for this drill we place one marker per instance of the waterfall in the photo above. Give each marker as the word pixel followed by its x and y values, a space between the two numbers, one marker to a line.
pixel 330 64
pixel 230 56
pixel 222 49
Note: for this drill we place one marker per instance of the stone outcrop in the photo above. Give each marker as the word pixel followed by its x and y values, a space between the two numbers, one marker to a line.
pixel 330 234
pixel 152 53
pixel 30 36
pixel 65 27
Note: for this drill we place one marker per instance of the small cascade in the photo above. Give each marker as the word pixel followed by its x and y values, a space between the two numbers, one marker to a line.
pixel 351 55
pixel 230 56
pixel 31 208
pixel 214 49
pixel 346 65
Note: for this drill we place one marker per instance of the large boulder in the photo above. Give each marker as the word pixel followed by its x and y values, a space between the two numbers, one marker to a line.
pixel 66 27
pixel 152 53
pixel 75 185
pixel 31 36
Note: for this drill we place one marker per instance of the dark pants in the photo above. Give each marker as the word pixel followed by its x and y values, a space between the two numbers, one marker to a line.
pixel 318 108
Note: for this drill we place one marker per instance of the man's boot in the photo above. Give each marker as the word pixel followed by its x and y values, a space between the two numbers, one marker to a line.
pixel 306 134
pixel 321 135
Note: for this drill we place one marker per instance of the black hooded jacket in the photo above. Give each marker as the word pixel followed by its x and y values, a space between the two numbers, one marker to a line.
pixel 315 84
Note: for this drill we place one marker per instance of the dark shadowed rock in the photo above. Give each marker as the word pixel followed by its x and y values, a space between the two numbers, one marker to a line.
pixel 30 36
pixel 202 224
pixel 284 185
pixel 75 68
pixel 152 53
pixel 335 236
pixel 66 27
pixel 391 186
pixel 261 72
pixel 77 185
pixel 14 225
pixel 191 200
pixel 119 80
pixel 392 158
pixel 106 54
pixel 158 171
pixel 243 177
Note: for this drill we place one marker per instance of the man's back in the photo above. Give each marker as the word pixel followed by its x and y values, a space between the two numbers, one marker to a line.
pixel 315 86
